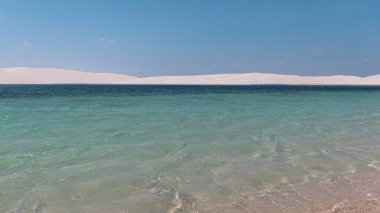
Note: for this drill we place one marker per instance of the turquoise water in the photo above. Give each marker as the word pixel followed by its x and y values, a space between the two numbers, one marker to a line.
pixel 176 148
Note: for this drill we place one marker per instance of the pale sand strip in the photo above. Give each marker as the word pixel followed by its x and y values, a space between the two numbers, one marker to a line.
pixel 22 75
pixel 355 193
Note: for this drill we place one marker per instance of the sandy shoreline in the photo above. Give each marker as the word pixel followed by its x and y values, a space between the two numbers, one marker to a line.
pixel 358 192
pixel 353 193
pixel 22 75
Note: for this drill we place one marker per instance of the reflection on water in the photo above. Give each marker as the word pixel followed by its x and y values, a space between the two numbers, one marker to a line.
pixel 168 149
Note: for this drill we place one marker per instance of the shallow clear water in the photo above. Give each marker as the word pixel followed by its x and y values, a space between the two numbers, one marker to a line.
pixel 74 148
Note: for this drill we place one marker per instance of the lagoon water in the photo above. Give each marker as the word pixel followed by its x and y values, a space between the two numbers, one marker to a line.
pixel 102 148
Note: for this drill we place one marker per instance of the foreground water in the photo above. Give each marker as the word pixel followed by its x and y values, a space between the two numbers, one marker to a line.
pixel 180 148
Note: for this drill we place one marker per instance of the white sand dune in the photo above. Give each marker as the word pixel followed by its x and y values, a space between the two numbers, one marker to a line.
pixel 23 75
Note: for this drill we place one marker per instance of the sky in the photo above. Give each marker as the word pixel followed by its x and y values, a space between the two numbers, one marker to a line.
pixel 188 37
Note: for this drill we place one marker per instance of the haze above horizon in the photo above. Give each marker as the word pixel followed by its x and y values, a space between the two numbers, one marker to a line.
pixel 178 37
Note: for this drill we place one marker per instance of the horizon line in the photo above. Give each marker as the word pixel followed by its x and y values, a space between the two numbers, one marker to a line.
pixel 210 74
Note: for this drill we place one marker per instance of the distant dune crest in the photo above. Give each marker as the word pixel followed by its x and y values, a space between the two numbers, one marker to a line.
pixel 23 75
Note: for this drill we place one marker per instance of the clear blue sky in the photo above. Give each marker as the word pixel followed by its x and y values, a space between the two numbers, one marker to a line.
pixel 183 37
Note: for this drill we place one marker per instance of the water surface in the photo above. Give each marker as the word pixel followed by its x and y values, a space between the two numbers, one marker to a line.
pixel 88 148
